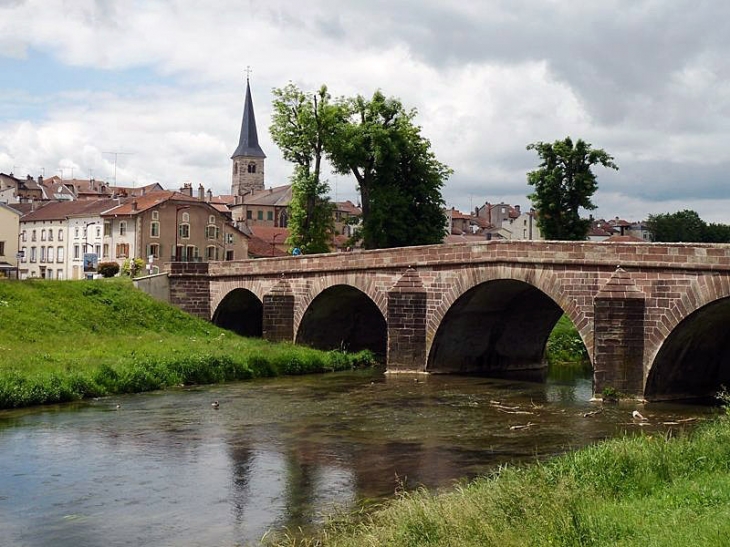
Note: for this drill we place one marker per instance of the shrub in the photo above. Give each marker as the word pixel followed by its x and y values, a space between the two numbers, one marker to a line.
pixel 108 269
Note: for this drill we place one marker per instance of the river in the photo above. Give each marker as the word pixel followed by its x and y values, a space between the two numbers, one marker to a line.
pixel 167 468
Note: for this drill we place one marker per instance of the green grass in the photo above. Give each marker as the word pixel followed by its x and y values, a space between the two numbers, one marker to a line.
pixel 67 341
pixel 641 491
pixel 565 346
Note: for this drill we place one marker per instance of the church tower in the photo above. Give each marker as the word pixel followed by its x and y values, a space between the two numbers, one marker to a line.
pixel 248 159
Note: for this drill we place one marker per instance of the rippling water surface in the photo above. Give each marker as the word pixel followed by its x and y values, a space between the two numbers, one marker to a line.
pixel 168 469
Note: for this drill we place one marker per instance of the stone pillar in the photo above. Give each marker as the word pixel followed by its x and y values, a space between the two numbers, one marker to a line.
pixel 407 324
pixel 618 359
pixel 190 288
pixel 278 314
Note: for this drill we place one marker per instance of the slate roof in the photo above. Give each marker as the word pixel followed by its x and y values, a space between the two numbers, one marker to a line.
pixel 248 143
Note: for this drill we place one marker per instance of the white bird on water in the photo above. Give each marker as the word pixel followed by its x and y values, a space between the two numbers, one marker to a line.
pixel 638 416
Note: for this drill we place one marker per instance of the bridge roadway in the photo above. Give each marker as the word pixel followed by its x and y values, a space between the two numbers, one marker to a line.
pixel 655 318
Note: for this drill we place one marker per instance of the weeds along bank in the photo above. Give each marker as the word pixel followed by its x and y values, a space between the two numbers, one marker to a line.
pixel 64 341
pixel 645 490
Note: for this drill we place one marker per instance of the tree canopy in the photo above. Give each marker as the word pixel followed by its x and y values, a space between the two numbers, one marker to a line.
pixel 302 124
pixel 686 226
pixel 398 175
pixel 564 183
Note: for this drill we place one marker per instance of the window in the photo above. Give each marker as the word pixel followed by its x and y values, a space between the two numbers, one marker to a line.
pixel 192 252
pixel 155 215
pixel 107 228
pixel 122 227
pixel 59 255
pixel 106 250
pixel 33 238
pixel 184 231
pixel 211 232
pixel 97 249
pixel 43 234
pixel 50 235
pixel 154 229
pixel 229 239
pixel 76 232
pixel 33 254
pixel 186 217
pixel 60 235
pixel 43 253
pixel 235 169
pixel 77 254
pixel 229 255
pixel 49 255
pixel 122 250
pixel 269 215
pixel 59 274
pixel 153 249
pixel 210 252
pixel 98 232
pixel 249 215
pixel 24 252
pixel 23 234
pixel 2 248
pixel 49 274
pixel 211 219
pixel 251 167
pixel 260 215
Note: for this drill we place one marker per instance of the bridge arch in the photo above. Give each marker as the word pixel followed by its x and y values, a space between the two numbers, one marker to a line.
pixel 497 320
pixel 240 311
pixel 343 317
pixel 690 356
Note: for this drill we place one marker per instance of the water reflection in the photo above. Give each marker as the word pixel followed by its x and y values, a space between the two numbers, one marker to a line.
pixel 166 469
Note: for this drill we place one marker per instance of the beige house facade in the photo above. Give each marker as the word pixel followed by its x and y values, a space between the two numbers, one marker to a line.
pixel 9 239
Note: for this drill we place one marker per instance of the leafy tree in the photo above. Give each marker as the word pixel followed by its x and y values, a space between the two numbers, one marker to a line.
pixel 563 184
pixel 398 175
pixel 302 124
pixel 674 227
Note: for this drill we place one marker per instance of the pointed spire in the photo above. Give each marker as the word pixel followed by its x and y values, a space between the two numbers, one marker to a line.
pixel 248 144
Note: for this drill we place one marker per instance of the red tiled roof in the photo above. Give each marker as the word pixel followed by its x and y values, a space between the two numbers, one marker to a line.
pixel 619 239
pixel 134 205
pixel 59 210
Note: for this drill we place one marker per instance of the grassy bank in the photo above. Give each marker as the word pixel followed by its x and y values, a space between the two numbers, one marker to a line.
pixel 642 491
pixel 565 346
pixel 67 341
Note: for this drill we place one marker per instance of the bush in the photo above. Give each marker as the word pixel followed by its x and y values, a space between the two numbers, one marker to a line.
pixel 108 269
pixel 132 266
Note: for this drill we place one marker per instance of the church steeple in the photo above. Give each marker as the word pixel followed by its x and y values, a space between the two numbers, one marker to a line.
pixel 248 158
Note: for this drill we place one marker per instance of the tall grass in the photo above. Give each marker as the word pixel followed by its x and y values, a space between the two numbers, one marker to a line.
pixel 565 346
pixel 642 491
pixel 67 341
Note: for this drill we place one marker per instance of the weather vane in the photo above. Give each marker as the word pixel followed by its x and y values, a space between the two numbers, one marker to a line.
pixel 248 72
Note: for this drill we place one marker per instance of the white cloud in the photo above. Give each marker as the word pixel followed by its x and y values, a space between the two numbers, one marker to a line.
pixel 645 80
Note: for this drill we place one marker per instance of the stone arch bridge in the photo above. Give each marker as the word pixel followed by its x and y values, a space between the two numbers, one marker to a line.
pixel 655 318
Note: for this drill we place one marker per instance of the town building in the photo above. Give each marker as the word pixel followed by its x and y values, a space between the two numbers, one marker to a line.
pixel 9 239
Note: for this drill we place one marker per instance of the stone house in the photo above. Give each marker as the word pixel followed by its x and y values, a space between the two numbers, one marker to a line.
pixel 170 226
pixel 9 239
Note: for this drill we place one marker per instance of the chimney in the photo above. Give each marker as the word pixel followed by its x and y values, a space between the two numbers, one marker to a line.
pixel 134 205
pixel 517 208
pixel 209 196
pixel 201 193
pixel 40 179
pixel 187 189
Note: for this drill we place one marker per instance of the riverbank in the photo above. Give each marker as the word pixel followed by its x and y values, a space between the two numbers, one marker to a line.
pixel 78 339
pixel 638 491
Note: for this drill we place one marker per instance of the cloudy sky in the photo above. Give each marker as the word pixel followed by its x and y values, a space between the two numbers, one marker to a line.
pixel 161 83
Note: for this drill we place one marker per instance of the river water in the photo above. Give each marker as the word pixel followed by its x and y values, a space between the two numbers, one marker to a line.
pixel 166 468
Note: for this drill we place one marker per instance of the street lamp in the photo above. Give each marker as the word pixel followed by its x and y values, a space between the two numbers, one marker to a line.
pixel 178 208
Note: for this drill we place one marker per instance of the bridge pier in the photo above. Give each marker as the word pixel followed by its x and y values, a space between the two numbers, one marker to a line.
pixel 618 361
pixel 190 288
pixel 278 317
pixel 407 324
